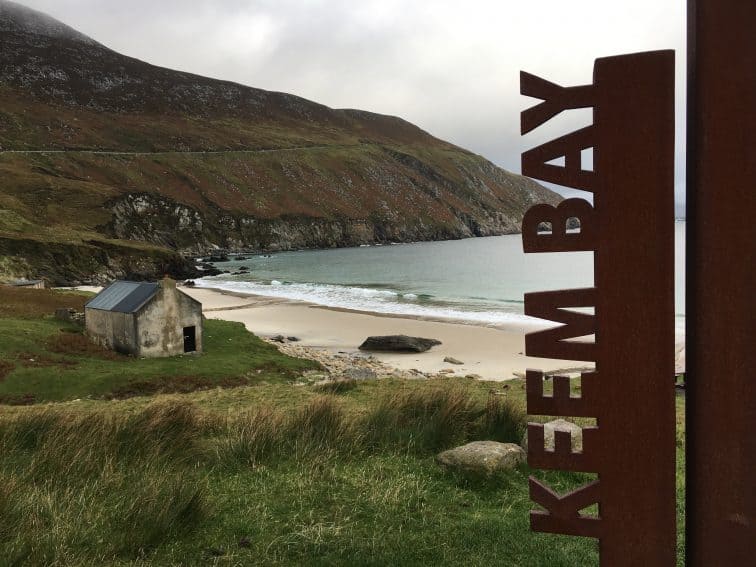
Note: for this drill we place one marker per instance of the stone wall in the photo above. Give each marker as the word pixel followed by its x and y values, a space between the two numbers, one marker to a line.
pixel 160 324
pixel 112 330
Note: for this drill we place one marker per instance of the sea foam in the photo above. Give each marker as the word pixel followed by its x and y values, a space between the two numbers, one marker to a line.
pixel 370 300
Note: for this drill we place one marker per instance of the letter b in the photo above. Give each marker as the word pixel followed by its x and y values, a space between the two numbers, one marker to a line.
pixel 559 240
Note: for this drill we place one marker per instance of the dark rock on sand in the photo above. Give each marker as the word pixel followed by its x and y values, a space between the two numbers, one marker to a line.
pixel 398 343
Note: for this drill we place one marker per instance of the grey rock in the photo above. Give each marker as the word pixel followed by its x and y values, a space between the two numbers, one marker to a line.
pixel 558 425
pixel 398 343
pixel 452 360
pixel 482 457
pixel 358 373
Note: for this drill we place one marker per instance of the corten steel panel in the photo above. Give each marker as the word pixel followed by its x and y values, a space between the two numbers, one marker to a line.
pixel 631 231
pixel 634 273
pixel 721 286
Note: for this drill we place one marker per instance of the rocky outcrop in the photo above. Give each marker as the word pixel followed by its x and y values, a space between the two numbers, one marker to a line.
pixel 161 220
pixel 90 262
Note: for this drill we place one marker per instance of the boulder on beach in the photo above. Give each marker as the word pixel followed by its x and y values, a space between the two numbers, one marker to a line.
pixel 398 343
pixel 482 457
pixel 452 360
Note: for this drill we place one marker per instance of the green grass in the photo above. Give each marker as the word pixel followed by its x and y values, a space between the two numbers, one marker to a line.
pixel 274 475
pixel 320 483
pixel 47 360
pixel 281 471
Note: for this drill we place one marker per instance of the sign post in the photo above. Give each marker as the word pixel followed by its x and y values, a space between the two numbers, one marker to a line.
pixel 630 229
pixel 721 284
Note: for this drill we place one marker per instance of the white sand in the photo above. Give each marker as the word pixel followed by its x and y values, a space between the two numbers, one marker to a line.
pixel 491 353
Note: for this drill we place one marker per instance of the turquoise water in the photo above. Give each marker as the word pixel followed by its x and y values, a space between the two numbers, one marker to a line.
pixel 476 279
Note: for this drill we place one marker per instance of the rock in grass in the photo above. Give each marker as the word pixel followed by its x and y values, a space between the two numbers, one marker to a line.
pixel 482 457
pixel 398 343
pixel 558 425
pixel 360 373
pixel 452 360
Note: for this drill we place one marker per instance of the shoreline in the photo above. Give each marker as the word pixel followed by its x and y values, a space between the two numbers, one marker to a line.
pixel 260 299
pixel 332 336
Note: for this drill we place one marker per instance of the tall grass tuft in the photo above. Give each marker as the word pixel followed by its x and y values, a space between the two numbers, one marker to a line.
pixel 123 481
pixel 160 507
pixel 424 420
pixel 503 420
pixel 320 424
pixel 252 437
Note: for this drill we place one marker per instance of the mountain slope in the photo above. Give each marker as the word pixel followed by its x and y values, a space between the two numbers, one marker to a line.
pixel 110 166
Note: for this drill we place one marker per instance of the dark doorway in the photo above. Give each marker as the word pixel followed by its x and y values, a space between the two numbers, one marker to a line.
pixel 190 339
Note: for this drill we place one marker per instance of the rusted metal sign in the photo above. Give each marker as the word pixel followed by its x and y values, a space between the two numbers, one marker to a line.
pixel 721 284
pixel 630 230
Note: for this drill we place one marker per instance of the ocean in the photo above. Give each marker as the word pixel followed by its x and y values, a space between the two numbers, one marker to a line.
pixel 477 280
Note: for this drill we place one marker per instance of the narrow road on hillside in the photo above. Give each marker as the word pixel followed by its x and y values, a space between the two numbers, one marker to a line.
pixel 188 152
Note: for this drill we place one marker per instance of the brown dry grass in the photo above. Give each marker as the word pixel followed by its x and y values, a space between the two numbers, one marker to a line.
pixel 172 385
pixel 34 303
pixel 5 369
pixel 18 399
pixel 38 360
pixel 79 345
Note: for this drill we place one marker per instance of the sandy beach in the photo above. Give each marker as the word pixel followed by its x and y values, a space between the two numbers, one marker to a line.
pixel 490 353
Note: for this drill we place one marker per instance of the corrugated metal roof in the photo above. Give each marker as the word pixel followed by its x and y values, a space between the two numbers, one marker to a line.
pixel 123 297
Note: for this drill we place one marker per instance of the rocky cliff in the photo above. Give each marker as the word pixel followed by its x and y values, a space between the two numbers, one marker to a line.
pixel 130 166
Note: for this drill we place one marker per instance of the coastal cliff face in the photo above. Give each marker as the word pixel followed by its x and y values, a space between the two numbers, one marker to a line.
pixel 113 167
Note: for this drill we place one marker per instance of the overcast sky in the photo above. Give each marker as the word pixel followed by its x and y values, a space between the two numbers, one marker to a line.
pixel 449 66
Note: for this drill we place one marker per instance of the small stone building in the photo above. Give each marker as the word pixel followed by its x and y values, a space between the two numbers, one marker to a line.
pixel 145 319
pixel 29 284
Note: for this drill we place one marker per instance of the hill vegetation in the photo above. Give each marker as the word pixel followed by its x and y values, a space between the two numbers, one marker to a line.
pixel 111 166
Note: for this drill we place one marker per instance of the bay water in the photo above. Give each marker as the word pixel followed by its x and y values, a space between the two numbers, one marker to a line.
pixel 477 280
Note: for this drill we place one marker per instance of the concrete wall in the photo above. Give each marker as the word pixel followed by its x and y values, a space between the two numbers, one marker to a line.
pixel 116 331
pixel 160 323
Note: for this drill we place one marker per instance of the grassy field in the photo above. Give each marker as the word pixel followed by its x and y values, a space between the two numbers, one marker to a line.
pixel 43 359
pixel 277 472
